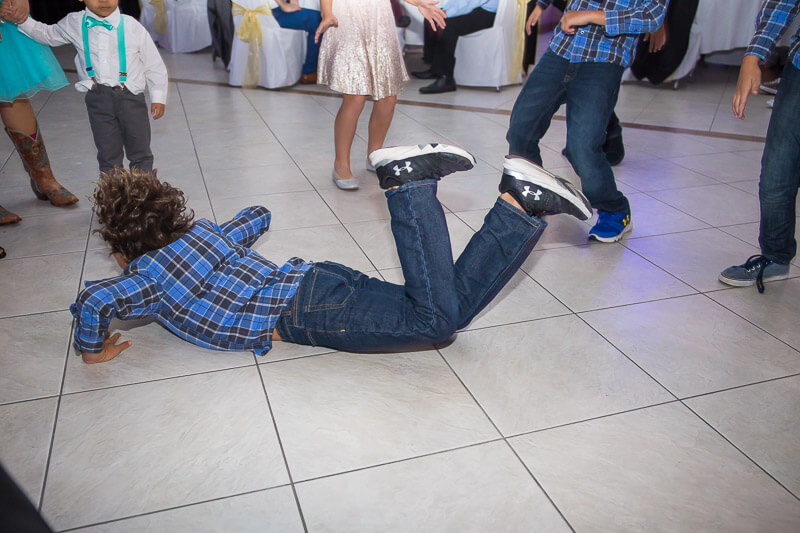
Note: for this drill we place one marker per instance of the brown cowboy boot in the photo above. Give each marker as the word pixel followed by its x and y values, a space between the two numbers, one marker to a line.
pixel 37 164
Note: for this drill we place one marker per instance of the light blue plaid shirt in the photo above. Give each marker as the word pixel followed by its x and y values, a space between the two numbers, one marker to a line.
pixel 615 43
pixel 773 20
pixel 208 288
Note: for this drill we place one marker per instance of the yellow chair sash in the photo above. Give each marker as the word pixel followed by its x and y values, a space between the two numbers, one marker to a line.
pixel 160 21
pixel 518 50
pixel 249 31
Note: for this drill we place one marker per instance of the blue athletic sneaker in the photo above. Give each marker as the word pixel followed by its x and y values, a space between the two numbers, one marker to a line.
pixel 610 227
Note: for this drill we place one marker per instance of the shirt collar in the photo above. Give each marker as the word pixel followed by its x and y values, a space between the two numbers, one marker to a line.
pixel 113 18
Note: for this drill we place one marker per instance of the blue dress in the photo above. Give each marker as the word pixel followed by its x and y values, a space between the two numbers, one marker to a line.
pixel 26 67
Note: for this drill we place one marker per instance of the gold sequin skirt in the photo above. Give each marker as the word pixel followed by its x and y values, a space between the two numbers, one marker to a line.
pixel 362 55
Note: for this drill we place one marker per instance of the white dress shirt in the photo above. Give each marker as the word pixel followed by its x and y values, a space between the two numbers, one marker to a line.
pixel 144 64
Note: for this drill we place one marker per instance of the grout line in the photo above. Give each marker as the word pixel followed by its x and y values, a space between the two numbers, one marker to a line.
pixel 283 451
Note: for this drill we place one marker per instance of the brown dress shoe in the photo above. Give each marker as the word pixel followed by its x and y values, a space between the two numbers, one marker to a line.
pixel 308 79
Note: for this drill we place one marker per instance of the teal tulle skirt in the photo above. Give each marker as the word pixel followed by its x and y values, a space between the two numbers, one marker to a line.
pixel 26 67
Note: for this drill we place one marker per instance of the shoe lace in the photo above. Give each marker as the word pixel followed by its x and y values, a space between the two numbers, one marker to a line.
pixel 757 263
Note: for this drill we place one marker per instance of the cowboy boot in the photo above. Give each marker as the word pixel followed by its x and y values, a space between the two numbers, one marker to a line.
pixel 37 164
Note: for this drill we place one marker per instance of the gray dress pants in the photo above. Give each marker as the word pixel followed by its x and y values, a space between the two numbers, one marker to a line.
pixel 119 119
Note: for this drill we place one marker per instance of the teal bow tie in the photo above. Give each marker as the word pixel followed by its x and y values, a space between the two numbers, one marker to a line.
pixel 92 22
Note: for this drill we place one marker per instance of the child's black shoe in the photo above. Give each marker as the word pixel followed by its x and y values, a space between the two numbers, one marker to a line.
pixel 400 164
pixel 541 193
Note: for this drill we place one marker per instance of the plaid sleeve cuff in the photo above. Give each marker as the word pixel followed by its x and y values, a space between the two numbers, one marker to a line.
pixel 760 48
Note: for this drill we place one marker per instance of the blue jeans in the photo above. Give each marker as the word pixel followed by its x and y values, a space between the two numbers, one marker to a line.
pixel 780 171
pixel 590 91
pixel 307 20
pixel 344 309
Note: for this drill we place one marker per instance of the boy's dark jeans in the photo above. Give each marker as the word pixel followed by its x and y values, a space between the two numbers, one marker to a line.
pixel 341 308
pixel 780 171
pixel 119 119
pixel 590 91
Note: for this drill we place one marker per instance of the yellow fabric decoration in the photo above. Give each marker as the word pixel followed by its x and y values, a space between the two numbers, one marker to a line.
pixel 518 50
pixel 249 31
pixel 160 22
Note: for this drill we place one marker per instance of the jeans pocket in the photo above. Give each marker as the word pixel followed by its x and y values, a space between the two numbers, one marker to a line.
pixel 328 291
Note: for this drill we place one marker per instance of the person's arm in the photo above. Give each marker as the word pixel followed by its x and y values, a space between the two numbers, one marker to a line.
pixel 15 11
pixel 49 34
pixel 644 19
pixel 428 9
pixel 248 225
pixel 126 296
pixel 772 21
pixel 155 72
pixel 285 6
pixel 536 14
pixel 328 18
pixel 657 39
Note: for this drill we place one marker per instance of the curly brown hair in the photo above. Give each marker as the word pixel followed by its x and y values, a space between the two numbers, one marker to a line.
pixel 138 212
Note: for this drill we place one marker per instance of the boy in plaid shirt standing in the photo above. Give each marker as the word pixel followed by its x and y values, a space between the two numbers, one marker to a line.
pixel 583 67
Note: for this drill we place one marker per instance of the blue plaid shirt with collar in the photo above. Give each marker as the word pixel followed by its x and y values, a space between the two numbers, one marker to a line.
pixel 772 21
pixel 615 42
pixel 208 288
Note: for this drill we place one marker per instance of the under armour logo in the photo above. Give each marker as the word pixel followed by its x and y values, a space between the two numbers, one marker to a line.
pixel 536 194
pixel 407 168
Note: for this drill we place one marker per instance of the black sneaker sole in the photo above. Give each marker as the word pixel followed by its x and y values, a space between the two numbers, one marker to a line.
pixel 401 164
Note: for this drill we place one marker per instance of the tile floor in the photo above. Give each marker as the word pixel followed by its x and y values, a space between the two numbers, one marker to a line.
pixel 610 387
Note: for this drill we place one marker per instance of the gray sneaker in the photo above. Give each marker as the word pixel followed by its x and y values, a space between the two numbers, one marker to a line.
pixel 757 269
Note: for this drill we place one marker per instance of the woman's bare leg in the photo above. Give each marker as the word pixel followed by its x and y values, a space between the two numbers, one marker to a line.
pixel 379 122
pixel 344 131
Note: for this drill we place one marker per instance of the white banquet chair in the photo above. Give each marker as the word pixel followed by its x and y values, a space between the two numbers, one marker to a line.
pixel 484 58
pixel 185 28
pixel 280 55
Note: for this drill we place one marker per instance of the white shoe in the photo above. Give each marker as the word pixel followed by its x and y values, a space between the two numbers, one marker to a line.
pixel 770 87
pixel 770 103
pixel 348 184
pixel 369 166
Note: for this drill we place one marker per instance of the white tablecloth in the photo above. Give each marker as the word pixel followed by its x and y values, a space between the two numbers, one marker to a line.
pixel 719 25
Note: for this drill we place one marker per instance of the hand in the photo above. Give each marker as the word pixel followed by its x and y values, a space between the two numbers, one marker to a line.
pixel 657 39
pixel 287 7
pixel 749 81
pixel 157 110
pixel 15 11
pixel 110 350
pixel 434 15
pixel 574 19
pixel 327 22
pixel 533 20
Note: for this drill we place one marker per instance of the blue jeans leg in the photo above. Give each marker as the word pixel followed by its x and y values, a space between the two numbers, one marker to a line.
pixel 780 172
pixel 591 97
pixel 306 20
pixel 338 307
pixel 533 110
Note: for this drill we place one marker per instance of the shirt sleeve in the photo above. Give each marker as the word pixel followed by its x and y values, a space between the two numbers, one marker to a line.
pixel 128 296
pixel 248 225
pixel 644 19
pixel 49 34
pixel 772 21
pixel 154 69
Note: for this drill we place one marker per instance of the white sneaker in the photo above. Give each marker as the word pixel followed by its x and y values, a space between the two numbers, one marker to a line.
pixel 770 87
pixel 770 103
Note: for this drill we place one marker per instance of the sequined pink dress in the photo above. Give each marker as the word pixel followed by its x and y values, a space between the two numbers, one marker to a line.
pixel 362 55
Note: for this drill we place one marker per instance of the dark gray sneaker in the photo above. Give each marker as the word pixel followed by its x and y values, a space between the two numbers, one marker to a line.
pixel 757 269
pixel 541 193
pixel 400 164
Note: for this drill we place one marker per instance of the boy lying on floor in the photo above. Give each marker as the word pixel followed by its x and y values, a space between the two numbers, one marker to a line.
pixel 203 282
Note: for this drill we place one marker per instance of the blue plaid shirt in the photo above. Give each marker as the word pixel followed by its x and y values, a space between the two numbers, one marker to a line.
pixel 207 287
pixel 773 20
pixel 616 42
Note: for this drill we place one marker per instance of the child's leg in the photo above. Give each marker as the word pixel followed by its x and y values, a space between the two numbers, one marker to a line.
pixel 18 115
pixel 539 99
pixel 379 122
pixel 134 120
pixel 343 309
pixel 591 98
pixel 344 131
pixel 106 129
pixel 780 172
